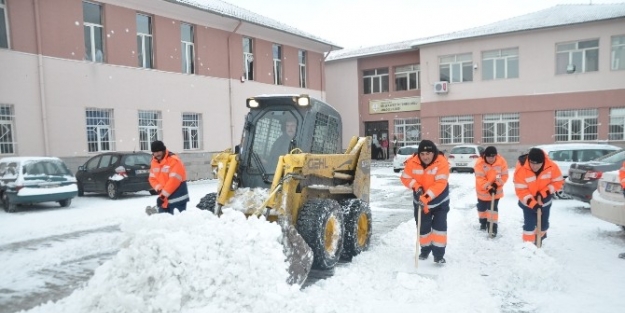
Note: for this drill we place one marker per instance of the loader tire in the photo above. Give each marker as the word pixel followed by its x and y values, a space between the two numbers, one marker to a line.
pixel 357 220
pixel 320 223
pixel 208 202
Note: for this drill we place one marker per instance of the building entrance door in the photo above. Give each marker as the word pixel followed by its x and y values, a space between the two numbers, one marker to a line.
pixel 379 139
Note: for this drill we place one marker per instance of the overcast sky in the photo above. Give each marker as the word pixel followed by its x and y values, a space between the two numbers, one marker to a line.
pixel 362 23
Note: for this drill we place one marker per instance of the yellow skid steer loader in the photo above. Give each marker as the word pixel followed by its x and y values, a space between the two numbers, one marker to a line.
pixel 318 193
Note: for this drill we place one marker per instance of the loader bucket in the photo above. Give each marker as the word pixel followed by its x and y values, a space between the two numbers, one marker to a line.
pixel 299 255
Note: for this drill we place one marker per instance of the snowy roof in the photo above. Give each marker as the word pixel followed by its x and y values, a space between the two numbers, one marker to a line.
pixel 229 10
pixel 559 15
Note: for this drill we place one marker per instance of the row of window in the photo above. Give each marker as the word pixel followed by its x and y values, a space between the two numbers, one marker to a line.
pixel 95 40
pixel 101 129
pixel 570 125
pixel 571 57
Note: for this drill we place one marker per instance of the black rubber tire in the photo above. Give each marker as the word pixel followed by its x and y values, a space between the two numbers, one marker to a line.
pixel 320 222
pixel 81 190
pixel 357 220
pixel 8 206
pixel 65 203
pixel 208 202
pixel 396 170
pixel 112 191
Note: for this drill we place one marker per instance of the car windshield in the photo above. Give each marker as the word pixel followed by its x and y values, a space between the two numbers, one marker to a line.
pixel 614 157
pixel 463 150
pixel 407 150
pixel 138 160
pixel 46 167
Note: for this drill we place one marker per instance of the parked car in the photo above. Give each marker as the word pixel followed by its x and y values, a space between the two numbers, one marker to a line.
pixel 25 180
pixel 583 176
pixel 565 154
pixel 114 173
pixel 607 201
pixel 463 157
pixel 403 154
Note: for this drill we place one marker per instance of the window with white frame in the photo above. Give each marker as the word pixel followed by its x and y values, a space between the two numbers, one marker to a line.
pixel 407 131
pixel 94 40
pixel 375 81
pixel 248 58
pixel 577 57
pixel 500 64
pixel 616 129
pixel 576 125
pixel 618 53
pixel 4 25
pixel 191 131
pixel 150 128
pixel 407 77
pixel 277 64
pixel 500 128
pixel 100 131
pixel 456 129
pixel 145 42
pixel 186 47
pixel 456 68
pixel 301 56
pixel 7 129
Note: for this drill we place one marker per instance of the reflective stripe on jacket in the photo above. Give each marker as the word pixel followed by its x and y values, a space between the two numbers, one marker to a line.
pixel 528 184
pixel 487 174
pixel 432 178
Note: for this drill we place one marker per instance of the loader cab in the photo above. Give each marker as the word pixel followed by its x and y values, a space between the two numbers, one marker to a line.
pixel 280 124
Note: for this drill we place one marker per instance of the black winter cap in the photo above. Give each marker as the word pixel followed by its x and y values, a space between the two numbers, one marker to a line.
pixel 490 151
pixel 427 146
pixel 536 155
pixel 158 146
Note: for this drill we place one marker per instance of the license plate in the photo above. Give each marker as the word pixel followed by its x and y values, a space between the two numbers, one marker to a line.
pixel 576 175
pixel 142 171
pixel 461 164
pixel 612 187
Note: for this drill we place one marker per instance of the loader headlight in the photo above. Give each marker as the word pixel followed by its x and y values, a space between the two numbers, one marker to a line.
pixel 303 100
pixel 252 103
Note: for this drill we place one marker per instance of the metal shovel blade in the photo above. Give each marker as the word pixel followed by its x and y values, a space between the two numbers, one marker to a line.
pixel 298 254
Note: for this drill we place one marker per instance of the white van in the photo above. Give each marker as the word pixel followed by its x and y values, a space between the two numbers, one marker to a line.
pixel 565 154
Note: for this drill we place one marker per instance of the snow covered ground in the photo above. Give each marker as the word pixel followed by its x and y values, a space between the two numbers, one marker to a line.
pixel 195 262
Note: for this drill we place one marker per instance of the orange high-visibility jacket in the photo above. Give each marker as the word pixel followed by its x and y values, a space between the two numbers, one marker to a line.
pixel 621 175
pixel 167 175
pixel 433 178
pixel 487 174
pixel 527 184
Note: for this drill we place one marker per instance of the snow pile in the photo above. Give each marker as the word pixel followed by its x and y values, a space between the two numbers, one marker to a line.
pixel 191 262
pixel 247 200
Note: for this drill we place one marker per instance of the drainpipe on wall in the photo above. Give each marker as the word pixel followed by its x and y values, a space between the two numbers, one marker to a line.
pixel 323 73
pixel 230 85
pixel 42 87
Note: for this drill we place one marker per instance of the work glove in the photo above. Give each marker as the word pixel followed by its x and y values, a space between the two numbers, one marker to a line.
pixel 536 207
pixel 543 194
pixel 492 189
pixel 425 199
pixel 418 192
pixel 162 202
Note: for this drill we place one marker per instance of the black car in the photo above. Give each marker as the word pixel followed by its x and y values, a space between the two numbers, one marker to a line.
pixel 114 173
pixel 584 176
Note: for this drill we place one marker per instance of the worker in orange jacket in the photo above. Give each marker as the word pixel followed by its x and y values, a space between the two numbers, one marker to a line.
pixel 168 177
pixel 536 179
pixel 427 174
pixel 491 173
pixel 621 176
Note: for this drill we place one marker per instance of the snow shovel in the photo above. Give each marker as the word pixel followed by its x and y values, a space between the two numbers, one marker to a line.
pixel 491 214
pixel 539 226
pixel 416 252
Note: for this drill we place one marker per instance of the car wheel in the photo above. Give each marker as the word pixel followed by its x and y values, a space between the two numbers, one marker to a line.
pixel 65 203
pixel 81 190
pixel 8 206
pixel 396 170
pixel 112 191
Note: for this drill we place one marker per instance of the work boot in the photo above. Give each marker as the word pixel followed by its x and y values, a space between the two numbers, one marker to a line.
pixel 440 260
pixel 424 255
pixel 483 224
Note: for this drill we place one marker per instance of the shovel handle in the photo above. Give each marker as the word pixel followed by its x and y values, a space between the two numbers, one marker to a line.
pixel 539 215
pixel 416 253
pixel 490 215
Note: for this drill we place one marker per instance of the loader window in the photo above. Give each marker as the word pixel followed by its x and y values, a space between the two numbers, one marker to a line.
pixel 326 135
pixel 272 138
